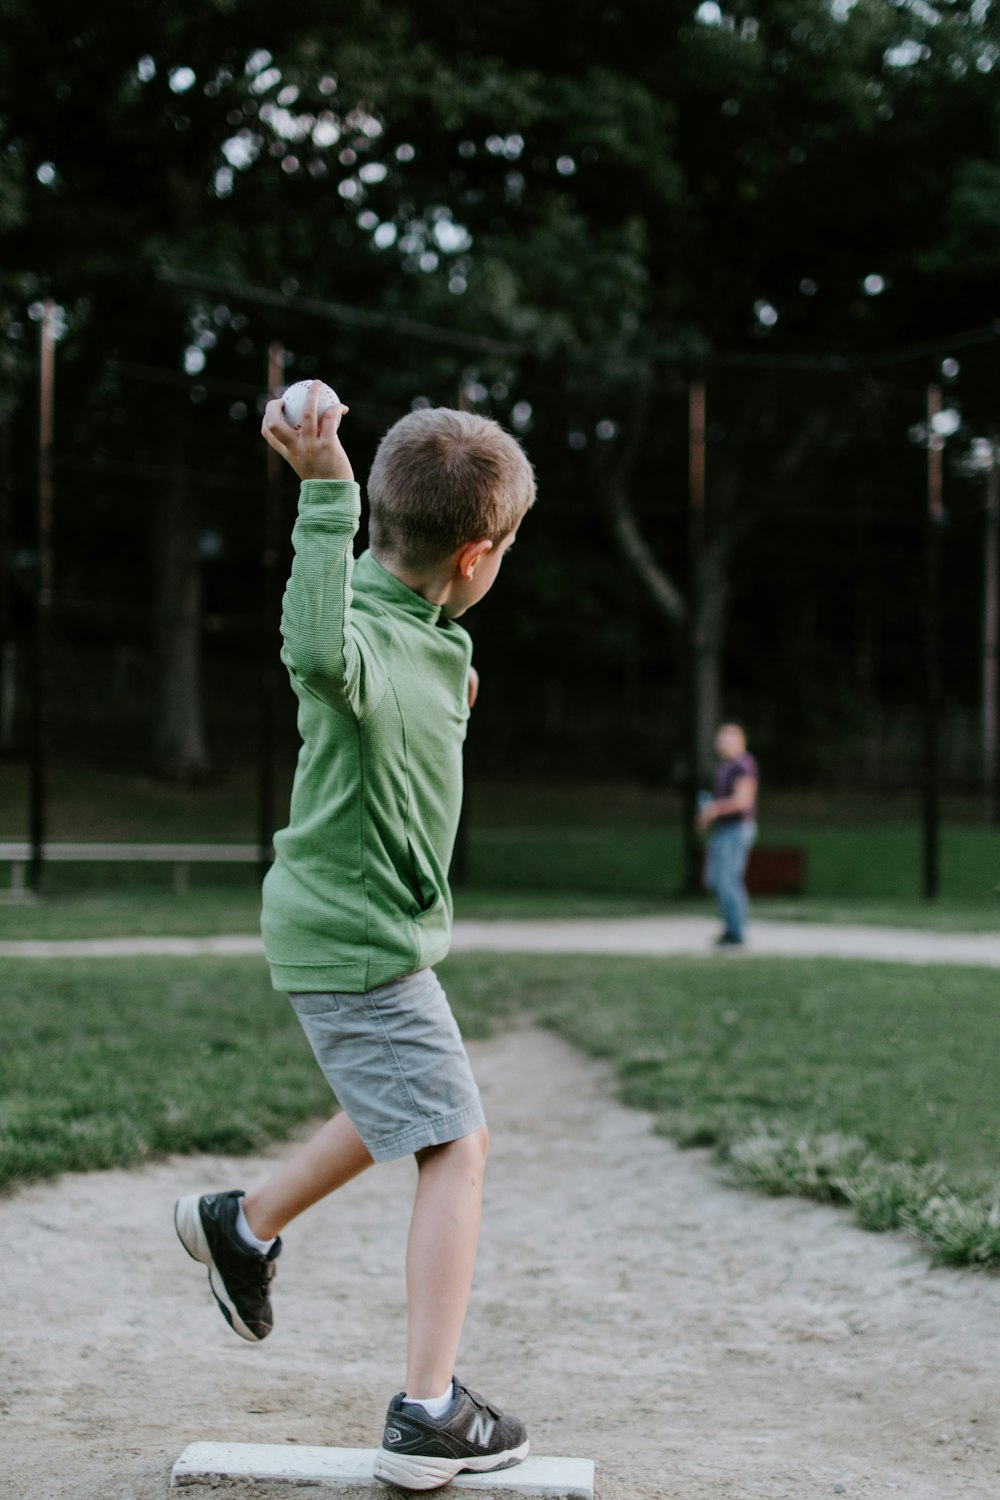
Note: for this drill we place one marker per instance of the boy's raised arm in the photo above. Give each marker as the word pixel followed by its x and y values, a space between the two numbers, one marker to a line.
pixel 320 647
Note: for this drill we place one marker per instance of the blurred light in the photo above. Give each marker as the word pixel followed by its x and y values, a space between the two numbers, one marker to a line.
pixel 199 395
pixel 238 411
pixel 577 440
pixel 367 220
pixel 946 423
pixel 328 85
pixel 288 94
pixel 373 171
pixel 266 80
pixel 419 403
pixel 451 238
pixel 194 360
pixel 709 13
pixel 289 287
pixel 476 392
pixel 326 132
pixel 181 79
pixel 385 235
pixel 606 430
pixel 905 54
pixel 289 164
pixel 565 166
pixel 873 286
pixel 808 287
pixel 146 69
pixel 766 314
pixel 241 150
pixel 210 543
pixel 499 391
pixel 730 108
pixel 467 149
pixel 981 456
pixel 520 415
pixel 457 284
pixel 47 173
pixel 429 261
pixel 405 152
pixel 950 368
pixel 256 61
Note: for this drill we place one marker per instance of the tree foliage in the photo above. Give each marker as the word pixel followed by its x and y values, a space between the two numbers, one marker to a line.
pixel 606 193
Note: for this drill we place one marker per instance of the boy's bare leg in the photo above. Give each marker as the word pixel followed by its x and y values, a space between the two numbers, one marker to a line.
pixel 440 1258
pixel 330 1158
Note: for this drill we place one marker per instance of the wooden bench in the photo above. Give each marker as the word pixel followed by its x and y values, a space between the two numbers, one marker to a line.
pixel 775 871
pixel 181 856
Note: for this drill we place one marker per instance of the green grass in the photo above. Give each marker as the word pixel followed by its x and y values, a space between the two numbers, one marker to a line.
pixel 871 1085
pixel 118 901
pixel 864 1084
pixel 110 1062
pixel 565 850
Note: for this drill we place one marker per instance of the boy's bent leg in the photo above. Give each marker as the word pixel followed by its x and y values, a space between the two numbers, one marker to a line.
pixel 441 1257
pixel 330 1158
pixel 240 1275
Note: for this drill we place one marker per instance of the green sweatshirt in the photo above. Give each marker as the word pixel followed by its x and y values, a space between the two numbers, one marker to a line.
pixel 358 892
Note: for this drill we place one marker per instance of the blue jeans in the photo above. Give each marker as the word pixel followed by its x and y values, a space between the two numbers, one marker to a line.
pixel 729 846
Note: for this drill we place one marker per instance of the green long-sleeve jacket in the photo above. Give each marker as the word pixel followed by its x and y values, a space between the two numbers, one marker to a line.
pixel 358 892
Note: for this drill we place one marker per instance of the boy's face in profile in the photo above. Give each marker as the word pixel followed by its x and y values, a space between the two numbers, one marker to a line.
pixel 468 591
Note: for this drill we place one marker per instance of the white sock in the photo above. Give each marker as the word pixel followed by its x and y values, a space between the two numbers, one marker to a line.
pixel 434 1406
pixel 247 1235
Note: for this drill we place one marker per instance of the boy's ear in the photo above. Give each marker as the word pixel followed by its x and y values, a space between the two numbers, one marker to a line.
pixel 468 556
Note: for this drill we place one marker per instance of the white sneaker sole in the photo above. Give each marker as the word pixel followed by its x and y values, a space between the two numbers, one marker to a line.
pixel 412 1472
pixel 191 1233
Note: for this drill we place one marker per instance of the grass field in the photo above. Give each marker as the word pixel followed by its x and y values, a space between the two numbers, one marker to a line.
pixel 532 851
pixel 866 1084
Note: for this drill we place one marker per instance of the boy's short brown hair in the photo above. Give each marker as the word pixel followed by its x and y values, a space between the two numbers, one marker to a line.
pixel 441 478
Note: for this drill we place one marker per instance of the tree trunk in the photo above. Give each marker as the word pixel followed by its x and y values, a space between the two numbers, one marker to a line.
pixel 710 637
pixel 179 749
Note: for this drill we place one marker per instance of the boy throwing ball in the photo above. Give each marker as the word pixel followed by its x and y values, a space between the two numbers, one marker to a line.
pixel 357 907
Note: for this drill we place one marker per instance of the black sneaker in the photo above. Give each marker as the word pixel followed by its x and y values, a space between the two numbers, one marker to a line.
pixel 240 1278
pixel 729 940
pixel 421 1452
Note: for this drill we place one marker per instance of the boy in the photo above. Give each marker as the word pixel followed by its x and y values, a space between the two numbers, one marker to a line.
pixel 731 816
pixel 357 906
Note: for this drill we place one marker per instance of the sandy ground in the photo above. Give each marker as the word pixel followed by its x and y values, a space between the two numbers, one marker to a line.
pixel 653 936
pixel 696 1341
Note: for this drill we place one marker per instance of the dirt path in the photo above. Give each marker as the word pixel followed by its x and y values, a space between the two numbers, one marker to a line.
pixel 700 1343
pixel 654 936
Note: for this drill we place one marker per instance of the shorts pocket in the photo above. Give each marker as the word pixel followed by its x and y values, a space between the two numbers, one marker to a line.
pixel 315 1004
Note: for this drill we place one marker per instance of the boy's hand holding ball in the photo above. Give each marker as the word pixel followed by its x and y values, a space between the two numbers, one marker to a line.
pixel 302 425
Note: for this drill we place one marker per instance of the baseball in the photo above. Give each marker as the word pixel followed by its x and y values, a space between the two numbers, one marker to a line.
pixel 294 401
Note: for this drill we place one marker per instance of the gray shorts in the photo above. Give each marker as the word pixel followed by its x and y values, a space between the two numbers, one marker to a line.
pixel 395 1060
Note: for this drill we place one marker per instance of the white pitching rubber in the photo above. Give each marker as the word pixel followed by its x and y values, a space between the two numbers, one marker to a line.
pixel 354 1469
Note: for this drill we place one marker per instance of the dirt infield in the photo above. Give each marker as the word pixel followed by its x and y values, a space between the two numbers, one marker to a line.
pixel 700 1343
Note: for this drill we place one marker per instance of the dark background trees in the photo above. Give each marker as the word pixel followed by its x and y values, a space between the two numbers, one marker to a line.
pixel 561 218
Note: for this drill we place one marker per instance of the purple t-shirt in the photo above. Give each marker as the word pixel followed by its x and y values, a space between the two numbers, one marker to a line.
pixel 727 774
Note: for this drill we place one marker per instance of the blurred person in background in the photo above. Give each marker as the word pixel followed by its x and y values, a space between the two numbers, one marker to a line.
pixel 729 817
